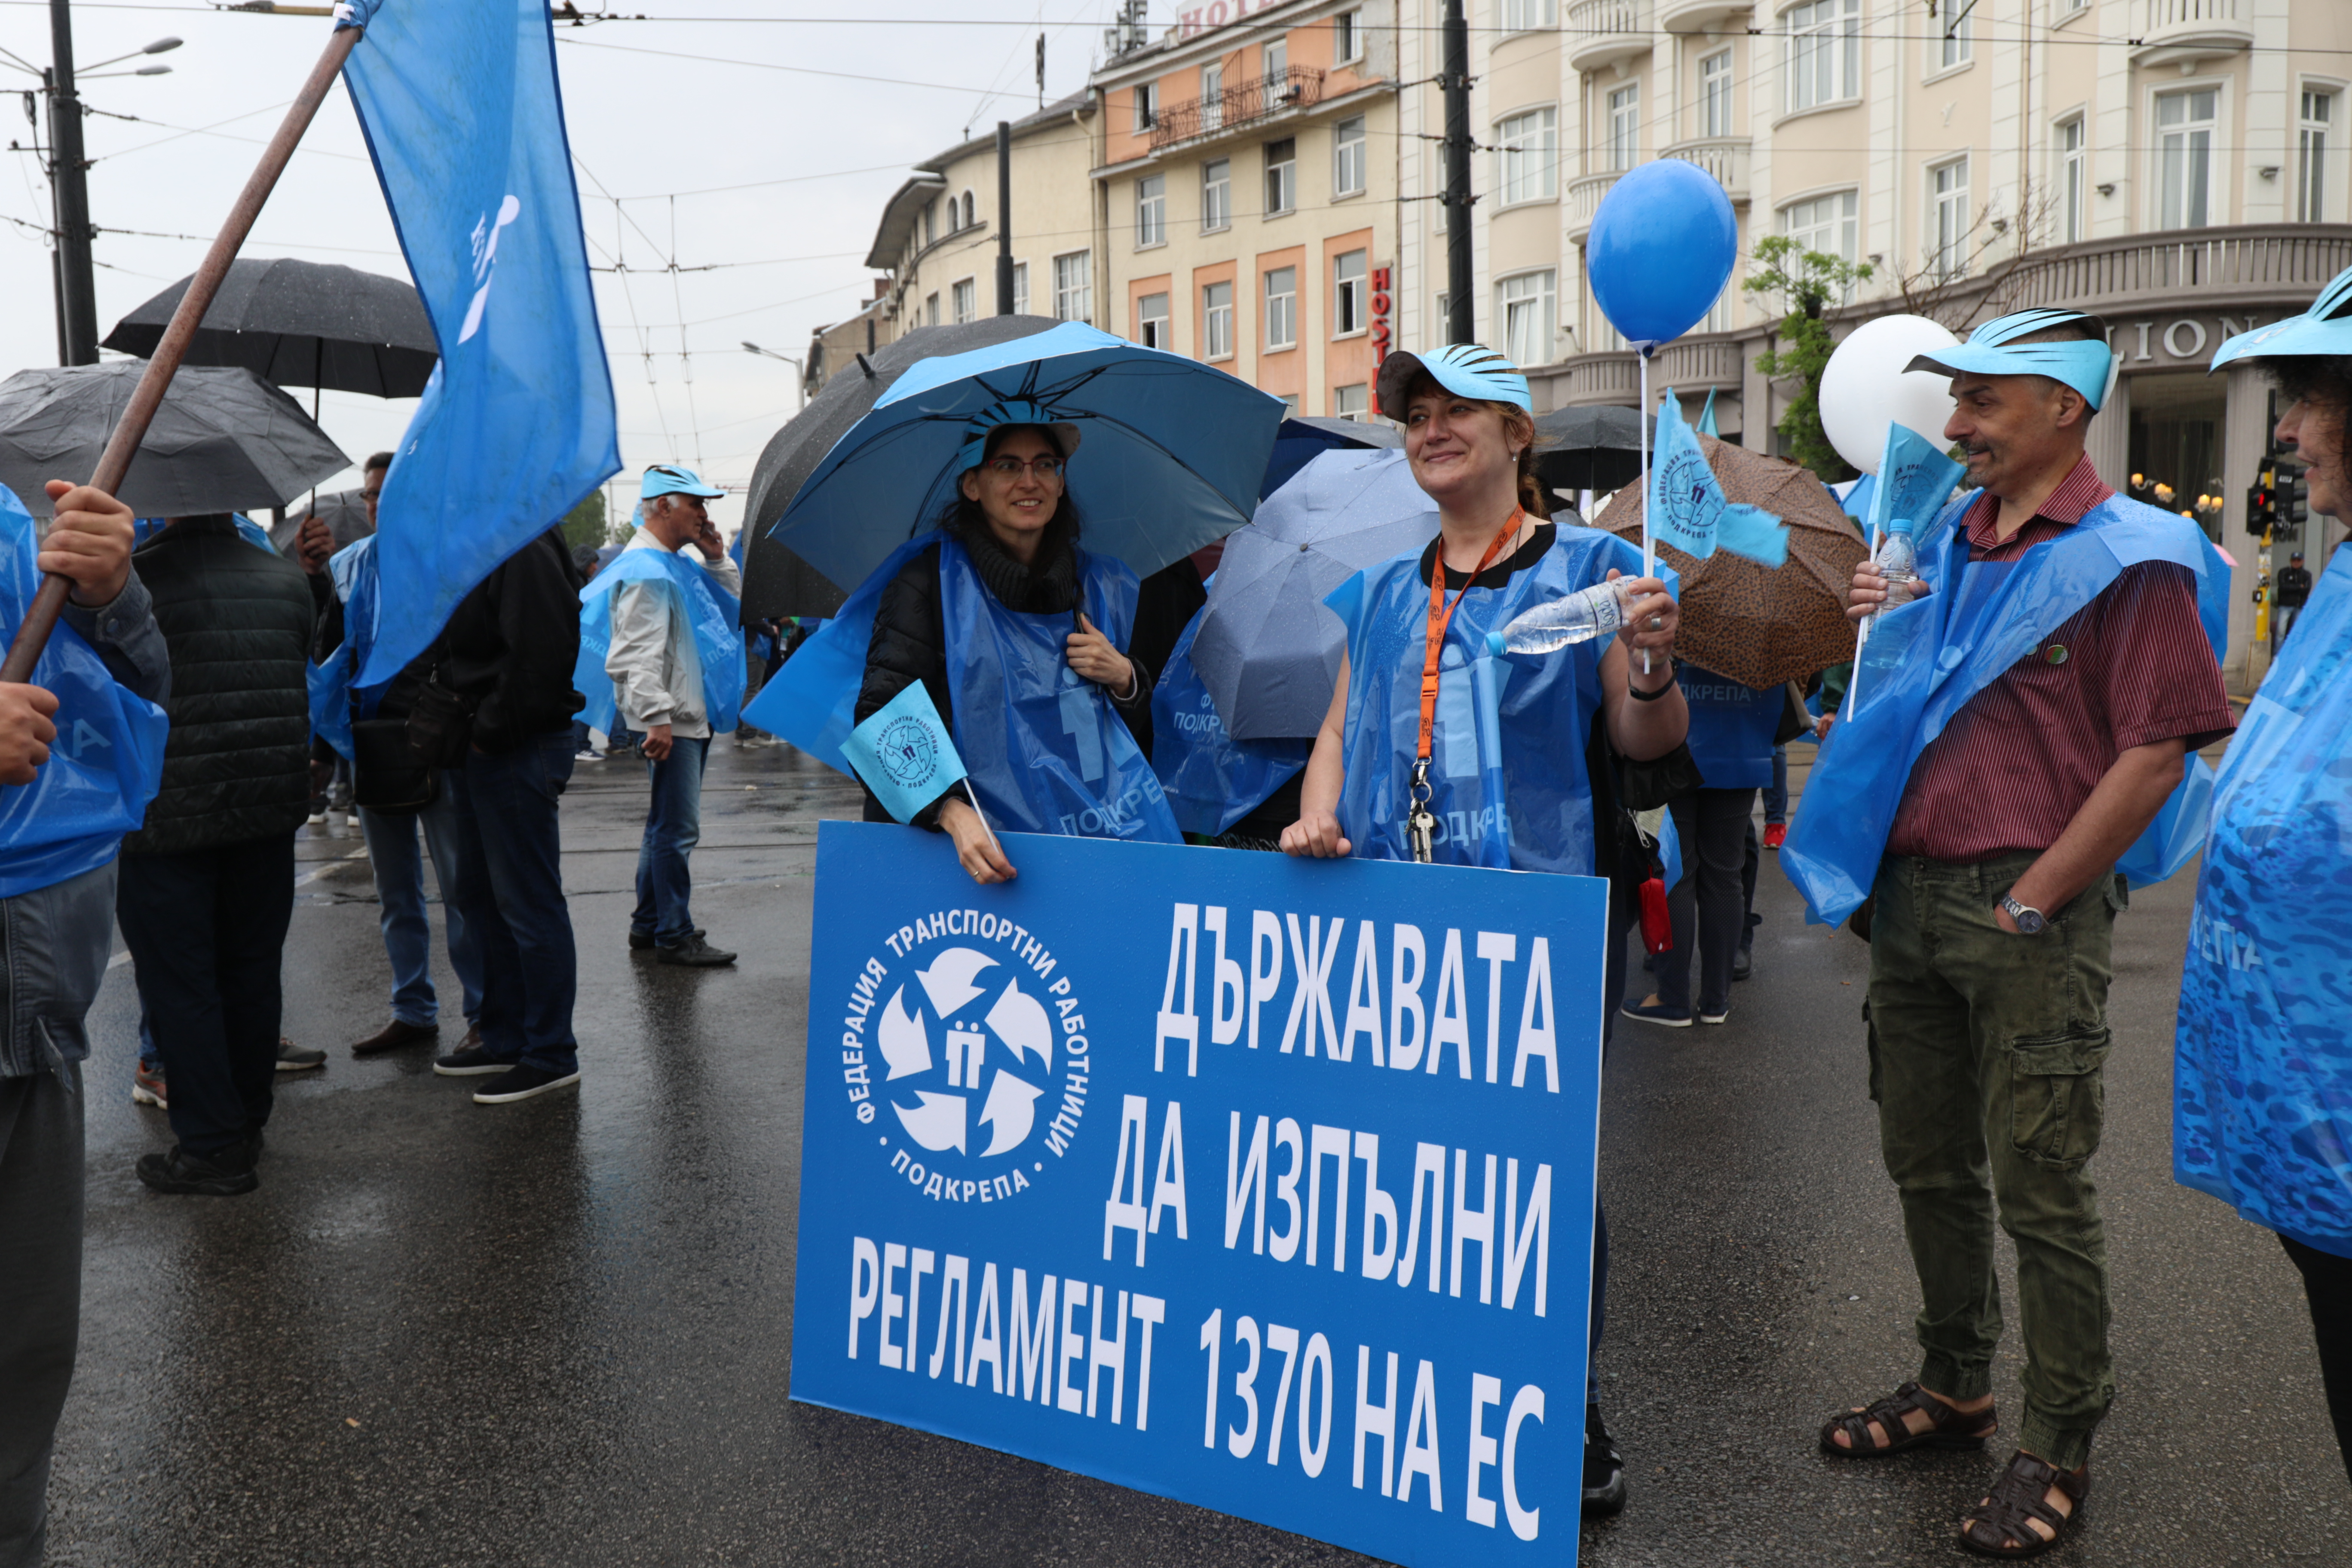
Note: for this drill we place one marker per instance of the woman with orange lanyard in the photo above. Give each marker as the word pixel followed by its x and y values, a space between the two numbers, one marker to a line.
pixel 1436 749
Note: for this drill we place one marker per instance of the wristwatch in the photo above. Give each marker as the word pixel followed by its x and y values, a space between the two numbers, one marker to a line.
pixel 2029 922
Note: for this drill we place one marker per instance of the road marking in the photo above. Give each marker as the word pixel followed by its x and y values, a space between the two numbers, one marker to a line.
pixel 119 959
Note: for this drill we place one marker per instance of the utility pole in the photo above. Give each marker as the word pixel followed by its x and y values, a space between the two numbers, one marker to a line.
pixel 77 284
pixel 1461 321
pixel 1004 217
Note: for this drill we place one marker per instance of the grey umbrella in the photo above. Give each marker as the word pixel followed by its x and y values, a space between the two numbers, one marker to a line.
pixel 1588 448
pixel 224 440
pixel 776 581
pixel 1268 647
pixel 343 511
pixel 302 323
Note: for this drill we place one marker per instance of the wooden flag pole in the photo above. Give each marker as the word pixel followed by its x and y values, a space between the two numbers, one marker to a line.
pixel 131 429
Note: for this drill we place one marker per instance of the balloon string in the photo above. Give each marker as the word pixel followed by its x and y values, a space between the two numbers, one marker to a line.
pixel 1649 549
pixel 1861 636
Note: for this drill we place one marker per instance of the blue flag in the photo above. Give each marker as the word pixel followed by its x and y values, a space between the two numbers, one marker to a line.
pixel 904 754
pixel 1914 480
pixel 1687 507
pixel 463 117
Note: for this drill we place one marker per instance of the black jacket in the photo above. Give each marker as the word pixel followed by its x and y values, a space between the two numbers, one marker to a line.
pixel 513 642
pixel 910 641
pixel 238 622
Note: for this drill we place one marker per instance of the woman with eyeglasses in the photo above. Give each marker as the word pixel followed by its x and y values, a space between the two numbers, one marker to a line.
pixel 1018 635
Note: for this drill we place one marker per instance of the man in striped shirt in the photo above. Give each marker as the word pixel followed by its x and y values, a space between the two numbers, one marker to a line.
pixel 1991 925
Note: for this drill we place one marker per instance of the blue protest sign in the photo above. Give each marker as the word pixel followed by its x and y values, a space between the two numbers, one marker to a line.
pixel 1687 507
pixel 904 752
pixel 1261 1183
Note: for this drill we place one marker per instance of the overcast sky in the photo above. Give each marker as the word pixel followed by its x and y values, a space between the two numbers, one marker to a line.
pixel 816 155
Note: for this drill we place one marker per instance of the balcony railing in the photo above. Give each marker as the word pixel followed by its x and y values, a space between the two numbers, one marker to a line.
pixel 2186 30
pixel 1241 103
pixel 1725 157
pixel 1584 194
pixel 1686 364
pixel 1602 32
pixel 2225 263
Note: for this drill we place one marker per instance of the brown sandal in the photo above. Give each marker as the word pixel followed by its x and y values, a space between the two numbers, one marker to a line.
pixel 1947 1428
pixel 2017 1497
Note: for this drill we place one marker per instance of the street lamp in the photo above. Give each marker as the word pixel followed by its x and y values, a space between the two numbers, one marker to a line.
pixel 800 381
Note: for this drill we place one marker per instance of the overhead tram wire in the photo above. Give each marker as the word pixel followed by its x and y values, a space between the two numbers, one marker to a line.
pixel 618 257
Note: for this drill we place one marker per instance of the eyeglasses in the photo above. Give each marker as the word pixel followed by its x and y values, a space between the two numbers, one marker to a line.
pixel 1012 468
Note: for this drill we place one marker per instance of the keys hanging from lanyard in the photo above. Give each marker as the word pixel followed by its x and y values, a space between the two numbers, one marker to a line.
pixel 1419 824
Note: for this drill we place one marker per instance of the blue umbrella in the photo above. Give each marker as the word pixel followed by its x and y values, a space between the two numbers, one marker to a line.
pixel 1171 452
pixel 1304 438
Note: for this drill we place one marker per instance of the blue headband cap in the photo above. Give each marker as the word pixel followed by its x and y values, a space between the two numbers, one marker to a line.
pixel 1466 370
pixel 1012 411
pixel 669 479
pixel 2324 329
pixel 1993 349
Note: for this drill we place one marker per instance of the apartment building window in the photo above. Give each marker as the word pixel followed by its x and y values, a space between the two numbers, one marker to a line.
pixel 2184 170
pixel 1528 15
pixel 1147 105
pixel 1216 195
pixel 1074 291
pixel 1152 210
pixel 1282 307
pixel 1274 66
pixel 1281 175
pixel 1958 44
pixel 1348 158
pixel 1828 224
pixel 1824 53
pixel 1525 303
pixel 963 298
pixel 955 207
pixel 2311 156
pixel 930 309
pixel 1349 298
pixel 1347 38
pixel 1217 320
pixel 1351 402
pixel 1948 256
pixel 1151 322
pixel 1212 96
pixel 2072 175
pixel 1715 94
pixel 930 216
pixel 1020 288
pixel 1527 155
pixel 1625 126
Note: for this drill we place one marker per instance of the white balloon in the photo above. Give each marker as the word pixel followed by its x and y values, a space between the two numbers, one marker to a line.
pixel 1864 387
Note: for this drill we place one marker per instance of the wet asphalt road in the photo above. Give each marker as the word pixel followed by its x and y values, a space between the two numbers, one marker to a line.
pixel 558 1332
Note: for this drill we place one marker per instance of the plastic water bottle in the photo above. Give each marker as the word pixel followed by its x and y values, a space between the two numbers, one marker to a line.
pixel 1898 562
pixel 1595 612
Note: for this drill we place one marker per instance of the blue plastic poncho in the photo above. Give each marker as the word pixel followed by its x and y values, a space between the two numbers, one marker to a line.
pixel 1212 780
pixel 711 614
pixel 2261 1114
pixel 352 569
pixel 1731 728
pixel 1506 754
pixel 1050 757
pixel 1925 659
pixel 107 760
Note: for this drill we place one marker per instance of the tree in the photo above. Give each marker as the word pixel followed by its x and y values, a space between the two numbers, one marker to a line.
pixel 584 523
pixel 1809 282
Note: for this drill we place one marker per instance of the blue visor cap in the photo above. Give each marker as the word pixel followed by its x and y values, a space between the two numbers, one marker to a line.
pixel 2324 329
pixel 664 479
pixel 1993 349
pixel 1012 411
pixel 1465 370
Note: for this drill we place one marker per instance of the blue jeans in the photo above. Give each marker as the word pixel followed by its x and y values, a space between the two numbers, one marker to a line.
pixel 673 827
pixel 508 888
pixel 581 740
pixel 408 927
pixel 1776 794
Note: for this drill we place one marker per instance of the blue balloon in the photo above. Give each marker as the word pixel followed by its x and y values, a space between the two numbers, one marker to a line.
pixel 1661 249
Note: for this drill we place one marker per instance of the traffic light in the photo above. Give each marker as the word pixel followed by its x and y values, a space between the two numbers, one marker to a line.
pixel 2292 502
pixel 2261 503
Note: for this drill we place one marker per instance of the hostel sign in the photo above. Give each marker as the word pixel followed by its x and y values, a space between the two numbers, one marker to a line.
pixel 1259 1183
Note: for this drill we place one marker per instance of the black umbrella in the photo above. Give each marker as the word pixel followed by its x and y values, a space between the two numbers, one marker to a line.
pixel 1304 435
pixel 302 323
pixel 224 440
pixel 776 581
pixel 343 511
pixel 1596 448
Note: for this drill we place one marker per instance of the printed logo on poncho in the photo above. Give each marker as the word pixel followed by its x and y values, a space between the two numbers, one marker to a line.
pixel 975 1049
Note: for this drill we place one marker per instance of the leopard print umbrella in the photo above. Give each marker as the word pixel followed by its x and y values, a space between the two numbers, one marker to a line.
pixel 1757 625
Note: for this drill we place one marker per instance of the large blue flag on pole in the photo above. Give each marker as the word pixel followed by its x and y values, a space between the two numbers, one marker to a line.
pixel 464 119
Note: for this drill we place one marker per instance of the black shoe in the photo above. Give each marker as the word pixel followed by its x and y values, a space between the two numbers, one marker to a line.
pixel 395 1034
pixel 696 954
pixel 1743 964
pixel 641 942
pixel 1605 1469
pixel 225 1174
pixel 520 1082
pixel 471 1061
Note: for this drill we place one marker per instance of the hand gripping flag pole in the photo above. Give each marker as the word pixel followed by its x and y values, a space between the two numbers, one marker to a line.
pixel 41 618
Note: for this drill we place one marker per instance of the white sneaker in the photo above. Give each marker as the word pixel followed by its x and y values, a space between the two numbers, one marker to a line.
pixel 318 820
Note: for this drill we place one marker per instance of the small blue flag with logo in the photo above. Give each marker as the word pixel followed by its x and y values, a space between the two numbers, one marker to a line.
pixel 1687 507
pixel 904 754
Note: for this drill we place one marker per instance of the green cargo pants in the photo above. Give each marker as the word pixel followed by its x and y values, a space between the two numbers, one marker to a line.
pixel 1985 1056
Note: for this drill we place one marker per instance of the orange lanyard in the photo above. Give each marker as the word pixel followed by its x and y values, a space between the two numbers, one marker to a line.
pixel 1441 616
